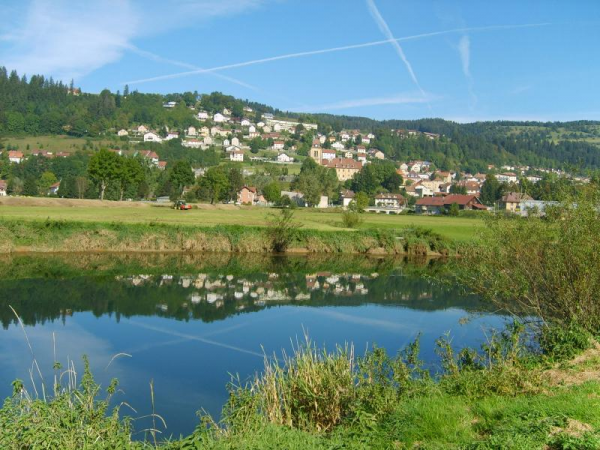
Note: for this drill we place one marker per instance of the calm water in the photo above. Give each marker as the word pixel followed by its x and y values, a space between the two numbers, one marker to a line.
pixel 190 322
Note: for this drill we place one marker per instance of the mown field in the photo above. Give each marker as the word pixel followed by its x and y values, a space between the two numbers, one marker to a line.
pixel 57 143
pixel 455 228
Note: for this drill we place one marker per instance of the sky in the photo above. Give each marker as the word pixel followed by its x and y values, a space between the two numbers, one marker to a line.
pixel 385 59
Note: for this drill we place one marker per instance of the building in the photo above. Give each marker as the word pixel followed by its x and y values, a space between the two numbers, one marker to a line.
pixel 377 154
pixel 346 196
pixel 142 129
pixel 191 131
pixel 15 156
pixel 150 156
pixel 283 158
pixel 152 137
pixel 278 145
pixel 172 135
pixel 247 195
pixel 511 202
pixel 295 197
pixel 162 165
pixel 202 115
pixel 192 143
pixel 345 168
pixel 53 189
pixel 3 188
pixel 316 152
pixel 122 133
pixel 327 155
pixel 391 201
pixel 441 204
pixel 508 177
pixel 236 156
pixel 219 118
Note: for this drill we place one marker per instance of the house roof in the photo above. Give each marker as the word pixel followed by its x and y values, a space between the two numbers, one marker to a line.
pixel 388 196
pixel 459 199
pixel 515 197
pixel 149 154
pixel 347 193
pixel 15 154
pixel 344 163
pixel 162 164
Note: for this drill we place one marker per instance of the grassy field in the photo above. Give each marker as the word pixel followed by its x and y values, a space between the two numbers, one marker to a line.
pixel 50 143
pixel 455 228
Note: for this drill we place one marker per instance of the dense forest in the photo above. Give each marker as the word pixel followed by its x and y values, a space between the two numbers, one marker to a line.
pixel 42 106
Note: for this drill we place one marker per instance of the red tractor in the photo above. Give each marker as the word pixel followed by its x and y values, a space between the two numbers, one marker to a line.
pixel 182 206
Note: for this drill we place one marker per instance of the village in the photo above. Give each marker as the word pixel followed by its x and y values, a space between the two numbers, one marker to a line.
pixel 275 141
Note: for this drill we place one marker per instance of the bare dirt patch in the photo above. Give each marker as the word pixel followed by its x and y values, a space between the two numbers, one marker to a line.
pixel 583 368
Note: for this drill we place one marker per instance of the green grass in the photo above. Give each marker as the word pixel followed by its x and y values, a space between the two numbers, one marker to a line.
pixel 57 143
pixel 455 228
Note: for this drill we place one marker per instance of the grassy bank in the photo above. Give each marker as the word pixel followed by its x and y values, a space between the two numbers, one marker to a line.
pixel 459 229
pixel 72 236
pixel 502 397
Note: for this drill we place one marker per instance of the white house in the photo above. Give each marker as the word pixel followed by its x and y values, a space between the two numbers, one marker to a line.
pixel 251 129
pixel 142 129
pixel 337 146
pixel 346 196
pixel 245 123
pixel 361 157
pixel 328 154
pixel 15 156
pixel 208 140
pixel 232 148
pixel 192 143
pixel 172 135
pixel 170 105
pixel 3 188
pixel 235 141
pixel 260 124
pixel 191 131
pixel 508 177
pixel 283 158
pixel 278 145
pixel 152 137
pixel 204 131
pixel 123 133
pixel 150 156
pixel 202 115
pixel 237 156
pixel 393 201
pixel 377 154
pixel 219 118
pixel 226 143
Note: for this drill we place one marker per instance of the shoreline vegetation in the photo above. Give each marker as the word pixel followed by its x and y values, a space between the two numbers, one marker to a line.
pixel 50 236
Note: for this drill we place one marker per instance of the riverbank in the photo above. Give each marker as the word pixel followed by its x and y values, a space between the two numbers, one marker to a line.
pixel 509 398
pixel 19 236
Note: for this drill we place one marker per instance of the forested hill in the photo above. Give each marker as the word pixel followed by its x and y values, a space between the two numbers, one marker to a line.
pixel 41 106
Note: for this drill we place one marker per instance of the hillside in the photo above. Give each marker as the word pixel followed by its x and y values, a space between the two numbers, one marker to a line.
pixel 39 106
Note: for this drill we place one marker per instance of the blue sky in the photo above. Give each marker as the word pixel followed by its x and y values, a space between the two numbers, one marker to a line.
pixel 460 60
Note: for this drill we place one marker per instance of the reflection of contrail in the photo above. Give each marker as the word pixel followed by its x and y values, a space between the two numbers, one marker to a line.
pixel 334 49
pixel 195 338
pixel 385 29
pixel 393 326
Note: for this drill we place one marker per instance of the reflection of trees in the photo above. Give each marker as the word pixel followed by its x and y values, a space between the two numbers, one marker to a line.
pixel 234 287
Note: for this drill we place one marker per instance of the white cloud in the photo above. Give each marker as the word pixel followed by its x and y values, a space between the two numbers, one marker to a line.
pixel 399 99
pixel 69 39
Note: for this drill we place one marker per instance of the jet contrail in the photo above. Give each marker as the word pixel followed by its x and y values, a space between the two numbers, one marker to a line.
pixel 385 29
pixel 332 50
pixel 157 58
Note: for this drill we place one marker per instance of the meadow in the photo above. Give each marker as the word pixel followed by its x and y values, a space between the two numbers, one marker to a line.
pixel 57 143
pixel 459 229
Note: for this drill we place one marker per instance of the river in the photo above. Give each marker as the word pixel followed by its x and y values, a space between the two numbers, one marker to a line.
pixel 187 323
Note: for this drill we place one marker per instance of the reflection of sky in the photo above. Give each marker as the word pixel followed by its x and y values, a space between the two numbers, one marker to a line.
pixel 191 362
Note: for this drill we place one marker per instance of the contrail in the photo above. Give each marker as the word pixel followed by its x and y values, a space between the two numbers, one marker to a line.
pixel 157 58
pixel 464 51
pixel 385 29
pixel 332 50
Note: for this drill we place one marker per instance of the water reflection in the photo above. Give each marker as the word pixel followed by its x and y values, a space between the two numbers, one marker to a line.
pixel 190 321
